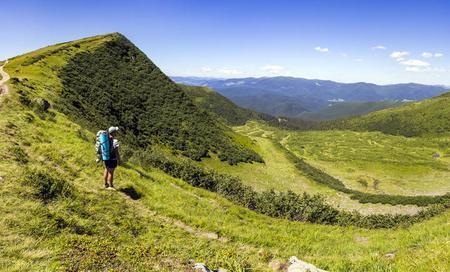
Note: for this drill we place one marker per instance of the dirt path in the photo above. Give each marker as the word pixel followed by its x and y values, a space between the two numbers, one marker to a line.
pixel 5 77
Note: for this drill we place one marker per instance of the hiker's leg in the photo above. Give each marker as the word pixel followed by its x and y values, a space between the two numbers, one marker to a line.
pixel 111 177
pixel 105 177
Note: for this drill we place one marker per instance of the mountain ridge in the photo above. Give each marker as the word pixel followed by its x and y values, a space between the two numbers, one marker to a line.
pixel 298 95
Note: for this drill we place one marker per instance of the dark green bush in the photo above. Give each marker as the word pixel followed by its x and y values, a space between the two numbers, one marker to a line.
pixel 47 187
pixel 288 205
pixel 18 154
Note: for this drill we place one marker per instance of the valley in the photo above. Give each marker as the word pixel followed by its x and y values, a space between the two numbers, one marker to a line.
pixel 202 180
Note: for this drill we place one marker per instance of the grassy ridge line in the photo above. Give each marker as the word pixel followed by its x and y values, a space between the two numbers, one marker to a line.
pixel 323 178
pixel 427 117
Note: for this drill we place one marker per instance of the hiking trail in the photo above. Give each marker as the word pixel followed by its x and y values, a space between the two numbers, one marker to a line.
pixel 5 77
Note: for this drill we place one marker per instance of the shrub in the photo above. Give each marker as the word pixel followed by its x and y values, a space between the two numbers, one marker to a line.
pixel 47 187
pixel 18 154
pixel 288 205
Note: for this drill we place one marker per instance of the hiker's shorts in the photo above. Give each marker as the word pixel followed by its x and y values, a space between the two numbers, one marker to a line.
pixel 110 164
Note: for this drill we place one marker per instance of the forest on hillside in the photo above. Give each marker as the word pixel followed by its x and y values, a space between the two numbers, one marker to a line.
pixel 117 84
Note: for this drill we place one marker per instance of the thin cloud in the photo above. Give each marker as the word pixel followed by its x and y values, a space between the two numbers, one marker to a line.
pixel 430 55
pixel 415 63
pixel 379 47
pixel 399 55
pixel 228 71
pixel 427 55
pixel 206 69
pixel 425 69
pixel 321 49
pixel 273 69
pixel 359 60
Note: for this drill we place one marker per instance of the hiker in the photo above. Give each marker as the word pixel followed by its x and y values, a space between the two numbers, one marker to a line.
pixel 108 151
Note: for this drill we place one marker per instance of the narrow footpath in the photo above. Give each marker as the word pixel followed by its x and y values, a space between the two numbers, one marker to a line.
pixel 5 77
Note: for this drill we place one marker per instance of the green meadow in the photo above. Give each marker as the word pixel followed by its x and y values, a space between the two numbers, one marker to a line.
pixel 56 216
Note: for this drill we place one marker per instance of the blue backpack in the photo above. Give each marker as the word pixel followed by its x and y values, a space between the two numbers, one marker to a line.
pixel 103 145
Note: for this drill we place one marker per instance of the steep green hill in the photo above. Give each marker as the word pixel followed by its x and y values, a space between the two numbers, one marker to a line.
pixel 106 81
pixel 348 109
pixel 430 116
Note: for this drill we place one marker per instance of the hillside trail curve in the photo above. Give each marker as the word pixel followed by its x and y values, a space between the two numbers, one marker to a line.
pixel 5 77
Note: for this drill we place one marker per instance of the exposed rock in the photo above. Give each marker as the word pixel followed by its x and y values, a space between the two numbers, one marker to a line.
pixel 277 265
pixel 301 266
pixel 203 268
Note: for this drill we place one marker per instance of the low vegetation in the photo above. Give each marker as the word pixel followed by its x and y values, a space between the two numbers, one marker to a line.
pixel 387 164
pixel 290 205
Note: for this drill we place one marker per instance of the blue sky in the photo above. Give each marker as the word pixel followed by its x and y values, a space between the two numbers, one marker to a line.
pixel 349 41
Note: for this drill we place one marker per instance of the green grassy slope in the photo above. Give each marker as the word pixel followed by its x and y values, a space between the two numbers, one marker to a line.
pixel 55 216
pixel 348 109
pixel 430 116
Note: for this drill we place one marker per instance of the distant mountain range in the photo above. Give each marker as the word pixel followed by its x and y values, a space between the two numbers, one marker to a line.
pixel 289 96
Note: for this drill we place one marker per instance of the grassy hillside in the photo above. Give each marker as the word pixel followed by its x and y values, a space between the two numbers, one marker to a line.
pixel 348 109
pixel 55 216
pixel 170 222
pixel 431 116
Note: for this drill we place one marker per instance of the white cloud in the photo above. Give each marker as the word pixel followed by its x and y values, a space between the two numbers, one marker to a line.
pixel 206 70
pixel 344 54
pixel 415 63
pixel 415 69
pixel 430 55
pixel 427 54
pixel 359 60
pixel 379 47
pixel 272 69
pixel 425 69
pixel 228 71
pixel 399 55
pixel 320 49
pixel 440 70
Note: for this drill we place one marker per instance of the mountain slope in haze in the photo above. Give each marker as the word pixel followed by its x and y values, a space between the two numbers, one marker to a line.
pixel 347 109
pixel 309 94
pixel 116 84
pixel 209 100
pixel 430 116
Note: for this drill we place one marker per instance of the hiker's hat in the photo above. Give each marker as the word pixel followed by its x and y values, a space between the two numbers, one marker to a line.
pixel 113 129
